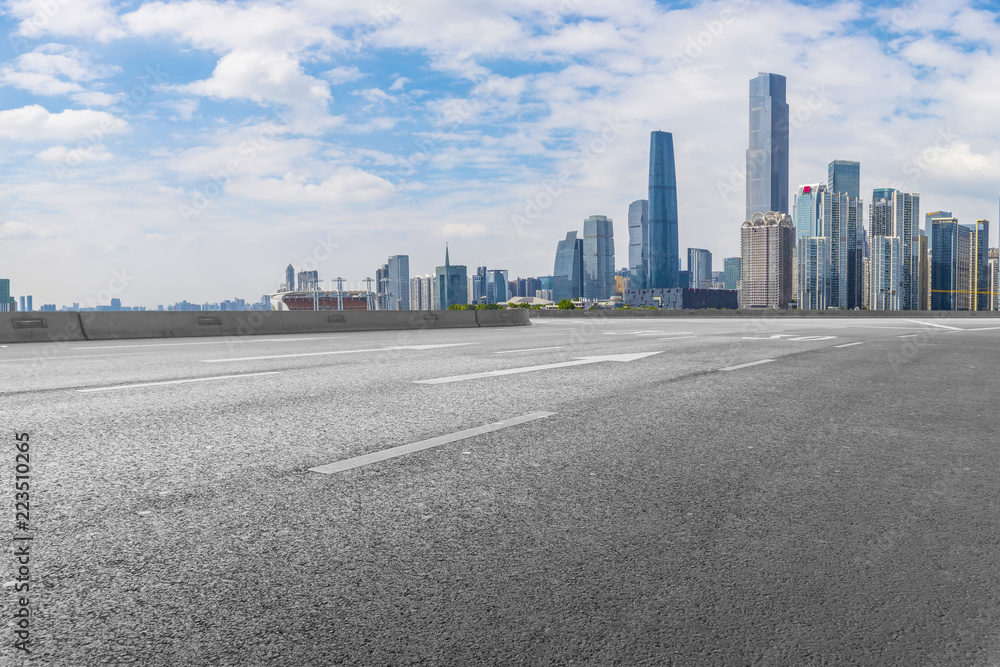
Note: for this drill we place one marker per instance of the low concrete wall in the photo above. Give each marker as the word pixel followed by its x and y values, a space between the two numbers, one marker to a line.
pixel 40 327
pixel 45 327
pixel 762 313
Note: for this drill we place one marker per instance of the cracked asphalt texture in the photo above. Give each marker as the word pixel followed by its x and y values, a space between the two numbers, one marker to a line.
pixel 838 506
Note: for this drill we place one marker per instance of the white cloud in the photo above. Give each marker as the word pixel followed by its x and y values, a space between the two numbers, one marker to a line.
pixel 399 83
pixel 56 69
pixel 346 185
pixel 20 230
pixel 75 156
pixel 72 18
pixel 35 123
pixel 183 109
pixel 340 75
pixel 465 231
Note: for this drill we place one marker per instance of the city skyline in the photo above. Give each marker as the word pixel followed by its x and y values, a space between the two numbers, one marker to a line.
pixel 333 139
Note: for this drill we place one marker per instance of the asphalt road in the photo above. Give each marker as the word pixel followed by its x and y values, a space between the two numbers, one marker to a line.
pixel 834 504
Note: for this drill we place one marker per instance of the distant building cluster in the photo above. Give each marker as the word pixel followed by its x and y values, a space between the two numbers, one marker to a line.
pixel 813 253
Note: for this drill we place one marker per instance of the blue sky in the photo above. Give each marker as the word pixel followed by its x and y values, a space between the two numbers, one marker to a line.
pixel 200 146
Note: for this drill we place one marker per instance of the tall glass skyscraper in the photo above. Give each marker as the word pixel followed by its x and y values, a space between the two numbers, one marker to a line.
pixel 767 157
pixel 399 282
pixel 638 244
pixel 982 266
pixel 844 178
pixel 289 278
pixel 897 214
pixel 732 268
pixel 452 285
pixel 700 267
pixel 664 250
pixel 598 257
pixel 567 275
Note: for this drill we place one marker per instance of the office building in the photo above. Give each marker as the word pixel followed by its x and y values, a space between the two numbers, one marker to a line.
pixel 289 279
pixel 451 284
pixel 886 262
pixel 767 156
pixel 22 304
pixel 478 291
pixel 567 275
pixel 981 265
pixel 953 265
pixel 897 214
pixel 496 286
pixel 813 253
pixel 416 294
pixel 925 272
pixel 382 287
pixel 399 282
pixel 844 177
pixel 598 257
pixel 806 210
pixel 993 270
pixel 664 249
pixel 766 243
pixel 308 281
pixel 7 303
pixel 841 224
pixel 700 266
pixel 732 272
pixel 638 243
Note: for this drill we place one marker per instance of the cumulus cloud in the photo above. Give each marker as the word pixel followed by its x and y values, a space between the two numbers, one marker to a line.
pixel 79 18
pixel 75 156
pixel 56 69
pixel 36 123
pixel 346 185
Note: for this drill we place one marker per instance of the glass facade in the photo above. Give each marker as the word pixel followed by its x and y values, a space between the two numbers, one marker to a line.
pixel 944 262
pixel 451 285
pixel 897 214
pixel 664 249
pixel 399 282
pixel 844 177
pixel 638 244
pixel 598 257
pixel 732 272
pixel 767 157
pixel 700 267
pixel 567 275
pixel 982 266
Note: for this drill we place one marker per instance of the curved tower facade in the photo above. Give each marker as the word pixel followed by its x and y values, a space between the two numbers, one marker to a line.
pixel 664 256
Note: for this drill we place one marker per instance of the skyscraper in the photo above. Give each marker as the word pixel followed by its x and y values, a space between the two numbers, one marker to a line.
pixel 767 156
pixel 844 177
pixel 886 273
pixel 813 254
pixel 479 285
pixel 7 303
pixel 897 214
pixel 981 265
pixel 567 275
pixel 840 223
pixel 993 265
pixel 496 286
pixel 925 272
pixel 598 257
pixel 638 244
pixel 766 244
pixel 700 266
pixel 664 249
pixel 954 271
pixel 289 279
pixel 452 285
pixel 399 282
pixel 732 271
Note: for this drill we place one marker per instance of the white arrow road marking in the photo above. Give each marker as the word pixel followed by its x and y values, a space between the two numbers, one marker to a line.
pixel 933 324
pixel 322 354
pixel 531 349
pixel 860 342
pixel 528 369
pixel 156 384
pixel 375 457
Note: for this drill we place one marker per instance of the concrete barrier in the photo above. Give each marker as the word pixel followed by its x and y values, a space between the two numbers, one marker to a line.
pixel 762 313
pixel 43 327
pixel 503 318
pixel 40 327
